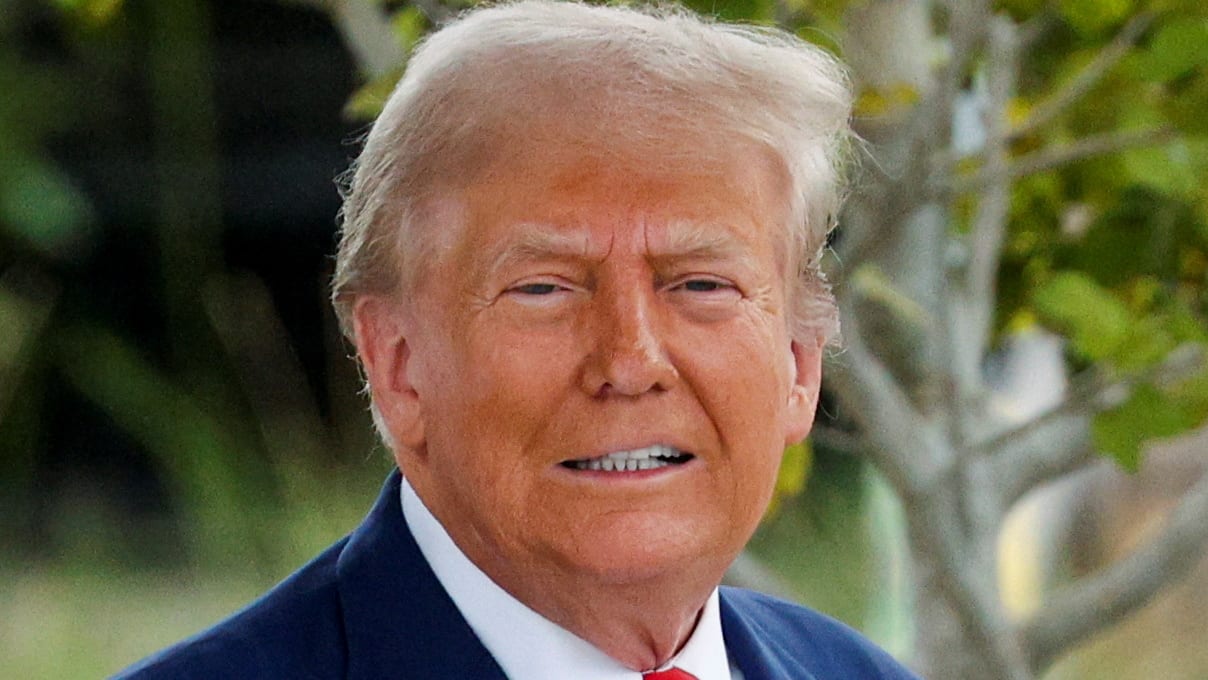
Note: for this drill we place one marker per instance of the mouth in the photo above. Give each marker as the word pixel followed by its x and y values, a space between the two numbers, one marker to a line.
pixel 646 458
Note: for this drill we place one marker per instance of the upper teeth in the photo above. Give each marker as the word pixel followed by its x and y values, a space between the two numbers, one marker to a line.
pixel 647 458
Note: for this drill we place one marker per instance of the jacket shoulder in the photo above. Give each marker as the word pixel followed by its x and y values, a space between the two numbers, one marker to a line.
pixel 809 643
pixel 293 631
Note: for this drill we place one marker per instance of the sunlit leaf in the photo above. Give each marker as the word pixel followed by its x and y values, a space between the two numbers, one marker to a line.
pixel 1184 325
pixel 1094 16
pixel 1176 48
pixel 409 25
pixel 367 102
pixel 794 471
pixel 1170 169
pixel 1095 320
pixel 1145 343
pixel 874 102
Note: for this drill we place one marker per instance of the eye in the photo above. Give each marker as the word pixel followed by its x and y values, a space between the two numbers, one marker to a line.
pixel 701 284
pixel 540 291
pixel 536 288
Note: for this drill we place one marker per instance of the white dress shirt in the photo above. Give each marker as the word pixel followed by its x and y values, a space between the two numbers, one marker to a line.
pixel 529 646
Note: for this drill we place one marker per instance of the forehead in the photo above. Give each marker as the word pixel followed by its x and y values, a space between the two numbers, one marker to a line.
pixel 691 189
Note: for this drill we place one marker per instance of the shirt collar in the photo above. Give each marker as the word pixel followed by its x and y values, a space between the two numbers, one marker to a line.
pixel 528 646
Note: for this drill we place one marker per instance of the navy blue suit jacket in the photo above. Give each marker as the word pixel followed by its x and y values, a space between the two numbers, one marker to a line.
pixel 369 607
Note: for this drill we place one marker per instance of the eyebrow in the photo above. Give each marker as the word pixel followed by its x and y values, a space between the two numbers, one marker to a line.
pixel 695 240
pixel 536 242
pixel 686 240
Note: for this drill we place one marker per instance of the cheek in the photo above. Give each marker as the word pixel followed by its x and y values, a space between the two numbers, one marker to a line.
pixel 744 386
pixel 744 375
pixel 508 385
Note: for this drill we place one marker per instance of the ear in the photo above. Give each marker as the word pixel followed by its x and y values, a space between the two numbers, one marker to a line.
pixel 381 341
pixel 803 394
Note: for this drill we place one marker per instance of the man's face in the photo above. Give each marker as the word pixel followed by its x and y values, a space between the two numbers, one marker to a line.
pixel 595 377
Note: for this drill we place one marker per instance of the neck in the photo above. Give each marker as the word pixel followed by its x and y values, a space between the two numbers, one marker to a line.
pixel 639 616
pixel 641 624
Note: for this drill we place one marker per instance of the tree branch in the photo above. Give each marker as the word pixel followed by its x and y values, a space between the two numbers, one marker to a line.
pixel 936 531
pixel 931 130
pixel 971 312
pixel 1045 450
pixel 1096 602
pixel 1089 392
pixel 865 387
pixel 1087 78
pixel 1058 441
pixel 366 32
pixel 967 29
pixel 1087 147
pixel 437 12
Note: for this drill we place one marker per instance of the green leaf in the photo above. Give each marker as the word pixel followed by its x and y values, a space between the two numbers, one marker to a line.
pixel 1147 414
pixel 877 102
pixel 794 468
pixel 1176 48
pixel 1145 344
pixel 1184 325
pixel 1095 321
pixel 409 25
pixel 794 471
pixel 1171 169
pixel 1191 394
pixel 1185 105
pixel 367 102
pixel 1021 10
pixel 1094 16
pixel 757 11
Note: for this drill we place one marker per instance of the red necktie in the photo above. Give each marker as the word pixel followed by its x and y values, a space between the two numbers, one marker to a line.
pixel 670 674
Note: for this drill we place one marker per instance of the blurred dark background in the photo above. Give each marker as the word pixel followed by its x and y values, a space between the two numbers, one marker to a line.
pixel 183 159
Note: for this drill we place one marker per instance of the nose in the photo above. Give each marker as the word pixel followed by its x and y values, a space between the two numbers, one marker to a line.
pixel 629 357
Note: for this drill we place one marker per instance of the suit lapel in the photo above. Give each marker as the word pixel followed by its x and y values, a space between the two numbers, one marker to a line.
pixel 753 648
pixel 399 621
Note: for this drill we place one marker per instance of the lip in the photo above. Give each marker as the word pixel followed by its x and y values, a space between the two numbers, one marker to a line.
pixel 672 442
pixel 627 476
pixel 568 473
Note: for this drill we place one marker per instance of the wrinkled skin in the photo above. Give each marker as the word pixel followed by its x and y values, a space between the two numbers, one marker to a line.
pixel 581 306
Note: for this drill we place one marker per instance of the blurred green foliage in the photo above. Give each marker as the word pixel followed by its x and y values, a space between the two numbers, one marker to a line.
pixel 248 482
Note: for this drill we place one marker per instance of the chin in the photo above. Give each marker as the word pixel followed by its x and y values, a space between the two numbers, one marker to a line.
pixel 639 550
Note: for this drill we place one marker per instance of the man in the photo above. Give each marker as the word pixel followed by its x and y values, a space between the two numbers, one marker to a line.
pixel 580 268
